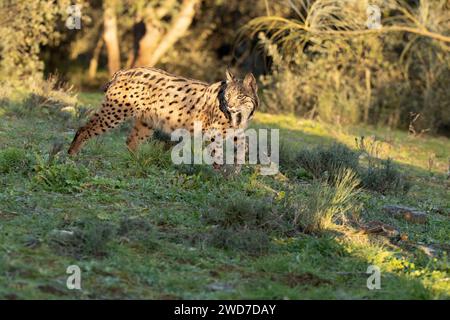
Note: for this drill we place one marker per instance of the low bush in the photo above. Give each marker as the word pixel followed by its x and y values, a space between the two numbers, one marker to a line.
pixel 326 204
pixel 139 230
pixel 60 177
pixel 326 163
pixel 151 154
pixel 14 160
pixel 243 224
pixel 385 178
pixel 87 237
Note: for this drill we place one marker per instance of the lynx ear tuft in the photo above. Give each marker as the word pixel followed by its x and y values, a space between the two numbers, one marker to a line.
pixel 230 76
pixel 250 82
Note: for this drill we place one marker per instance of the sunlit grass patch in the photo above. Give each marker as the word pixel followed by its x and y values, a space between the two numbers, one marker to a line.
pixel 325 205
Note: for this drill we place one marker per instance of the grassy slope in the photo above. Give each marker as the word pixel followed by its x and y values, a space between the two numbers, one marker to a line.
pixel 163 253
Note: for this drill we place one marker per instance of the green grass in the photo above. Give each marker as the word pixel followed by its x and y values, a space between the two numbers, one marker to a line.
pixel 140 227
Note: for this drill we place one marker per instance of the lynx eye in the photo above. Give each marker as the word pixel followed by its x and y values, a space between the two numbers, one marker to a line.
pixel 241 97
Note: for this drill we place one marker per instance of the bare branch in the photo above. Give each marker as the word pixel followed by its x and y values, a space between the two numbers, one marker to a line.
pixel 177 29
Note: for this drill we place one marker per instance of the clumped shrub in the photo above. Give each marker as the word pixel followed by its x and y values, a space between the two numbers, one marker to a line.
pixel 88 237
pixel 247 224
pixel 242 212
pixel 243 224
pixel 252 241
pixel 14 160
pixel 140 230
pixel 384 178
pixel 133 226
pixel 326 204
pixel 286 155
pixel 60 177
pixel 151 154
pixel 324 162
pixel 379 175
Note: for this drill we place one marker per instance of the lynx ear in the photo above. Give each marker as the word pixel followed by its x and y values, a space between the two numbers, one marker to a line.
pixel 250 82
pixel 230 76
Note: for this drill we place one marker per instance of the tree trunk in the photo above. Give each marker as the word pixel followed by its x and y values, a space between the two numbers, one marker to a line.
pixel 147 44
pixel 368 95
pixel 154 43
pixel 177 29
pixel 93 63
pixel 110 37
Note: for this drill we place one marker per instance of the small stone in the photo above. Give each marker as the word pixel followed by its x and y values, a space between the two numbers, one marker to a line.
pixel 429 251
pixel 378 227
pixel 409 214
pixel 218 286
pixel 61 236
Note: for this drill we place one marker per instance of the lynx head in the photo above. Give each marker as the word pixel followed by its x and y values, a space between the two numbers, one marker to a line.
pixel 240 99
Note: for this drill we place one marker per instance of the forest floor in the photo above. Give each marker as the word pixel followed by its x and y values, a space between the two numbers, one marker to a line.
pixel 141 227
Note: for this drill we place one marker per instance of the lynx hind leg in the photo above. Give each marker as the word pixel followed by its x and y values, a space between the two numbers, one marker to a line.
pixel 107 118
pixel 141 131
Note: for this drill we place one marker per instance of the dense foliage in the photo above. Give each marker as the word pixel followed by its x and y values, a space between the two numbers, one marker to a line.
pixel 315 58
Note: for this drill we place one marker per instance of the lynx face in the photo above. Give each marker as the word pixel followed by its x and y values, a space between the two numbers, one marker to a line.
pixel 241 99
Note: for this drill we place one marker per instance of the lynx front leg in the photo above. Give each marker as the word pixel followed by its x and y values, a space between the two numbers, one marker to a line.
pixel 140 132
pixel 217 156
pixel 215 148
pixel 240 151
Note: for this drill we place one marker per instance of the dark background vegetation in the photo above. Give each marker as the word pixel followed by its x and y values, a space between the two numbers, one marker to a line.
pixel 363 179
pixel 396 77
